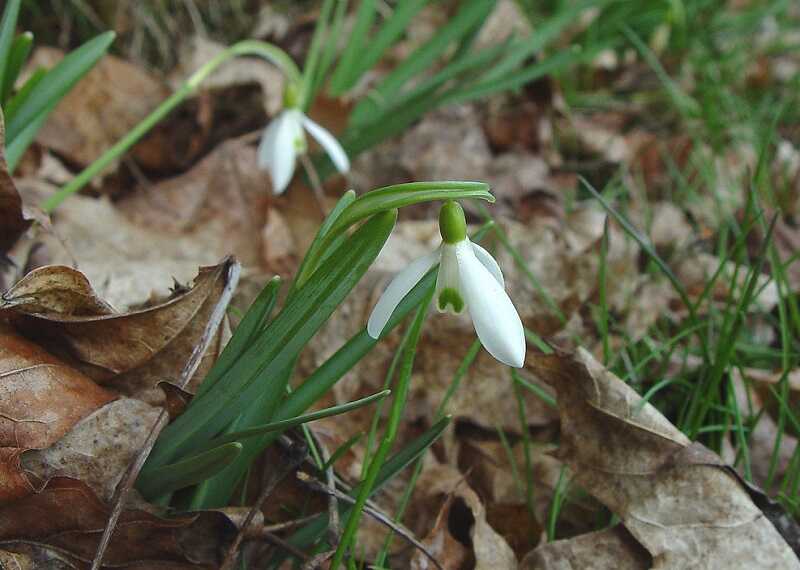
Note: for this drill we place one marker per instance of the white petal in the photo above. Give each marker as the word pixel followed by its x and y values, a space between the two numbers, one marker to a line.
pixel 496 321
pixel 277 150
pixel 489 263
pixel 402 283
pixel 329 143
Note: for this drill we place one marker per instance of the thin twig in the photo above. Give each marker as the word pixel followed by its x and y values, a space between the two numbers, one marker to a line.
pixel 334 529
pixel 232 270
pixel 375 513
pixel 287 525
pixel 297 454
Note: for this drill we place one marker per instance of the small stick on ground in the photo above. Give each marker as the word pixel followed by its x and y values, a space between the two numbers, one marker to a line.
pixel 297 454
pixel 233 271
pixel 334 528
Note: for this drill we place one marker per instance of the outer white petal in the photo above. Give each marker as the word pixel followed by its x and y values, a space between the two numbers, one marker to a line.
pixel 277 151
pixel 489 263
pixel 329 143
pixel 496 321
pixel 402 283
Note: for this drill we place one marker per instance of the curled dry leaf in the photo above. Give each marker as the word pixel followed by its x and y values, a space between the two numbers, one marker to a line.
pixel 677 499
pixel 132 351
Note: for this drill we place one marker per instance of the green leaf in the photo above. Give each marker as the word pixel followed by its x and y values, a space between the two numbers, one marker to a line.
pixel 16 149
pixel 424 57
pixel 58 82
pixel 17 57
pixel 310 69
pixel 8 27
pixel 371 110
pixel 518 78
pixel 395 26
pixel 188 471
pixel 400 195
pixel 277 346
pixel 282 425
pixel 313 250
pixel 244 336
pixel 340 81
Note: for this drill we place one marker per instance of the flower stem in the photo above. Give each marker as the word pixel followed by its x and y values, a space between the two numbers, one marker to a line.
pixel 248 47
pixel 395 415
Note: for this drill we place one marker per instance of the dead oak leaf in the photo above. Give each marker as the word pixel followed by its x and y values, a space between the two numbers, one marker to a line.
pixel 131 351
pixel 66 518
pixel 677 499
pixel 103 107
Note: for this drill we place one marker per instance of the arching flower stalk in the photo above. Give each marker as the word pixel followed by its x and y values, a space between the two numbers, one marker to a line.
pixel 469 280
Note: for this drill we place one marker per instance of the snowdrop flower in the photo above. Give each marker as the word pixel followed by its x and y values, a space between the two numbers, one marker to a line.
pixel 469 278
pixel 284 139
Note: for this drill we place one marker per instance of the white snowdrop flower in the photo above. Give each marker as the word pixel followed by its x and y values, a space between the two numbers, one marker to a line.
pixel 469 278
pixel 284 139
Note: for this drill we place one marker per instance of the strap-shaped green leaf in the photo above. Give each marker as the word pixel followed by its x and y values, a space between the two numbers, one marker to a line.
pixel 188 471
pixel 282 425
pixel 245 334
pixel 277 346
pixel 17 56
pixel 58 82
pixel 7 29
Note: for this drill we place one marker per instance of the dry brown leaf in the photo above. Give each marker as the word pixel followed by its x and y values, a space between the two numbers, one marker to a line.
pixel 12 221
pixel 480 543
pixel 219 206
pixel 131 351
pixel 141 540
pixel 103 107
pixel 99 448
pixel 612 548
pixel 677 499
pixel 55 289
pixel 126 265
pixel 41 399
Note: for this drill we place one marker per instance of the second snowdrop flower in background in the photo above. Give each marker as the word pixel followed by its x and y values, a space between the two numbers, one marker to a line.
pixel 469 278
pixel 284 140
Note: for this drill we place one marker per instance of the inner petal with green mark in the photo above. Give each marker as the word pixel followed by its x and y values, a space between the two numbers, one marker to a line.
pixel 450 296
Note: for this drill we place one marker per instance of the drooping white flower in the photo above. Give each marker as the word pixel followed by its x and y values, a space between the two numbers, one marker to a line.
pixel 469 278
pixel 284 139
